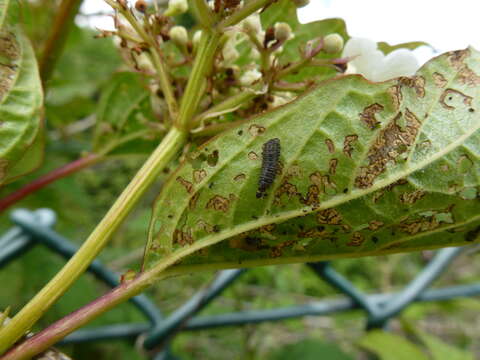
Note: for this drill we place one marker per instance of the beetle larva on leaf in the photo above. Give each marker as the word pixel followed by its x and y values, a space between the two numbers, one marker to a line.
pixel 270 157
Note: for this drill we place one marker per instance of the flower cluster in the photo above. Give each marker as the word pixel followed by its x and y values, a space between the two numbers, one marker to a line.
pixel 250 65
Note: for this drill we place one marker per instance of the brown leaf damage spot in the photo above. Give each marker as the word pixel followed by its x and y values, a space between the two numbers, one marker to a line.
pixel 450 95
pixel 333 166
pixel 390 143
pixel 457 58
pixel 466 75
pixel 312 197
pixel 220 203
pixel 277 251
pixel 357 239
pixel 348 144
pixel 286 188
pixel 209 229
pixel 192 203
pixel 412 197
pixel 375 225
pixel 415 82
pixel 256 130
pixel 419 225
pixel 329 217
pixel 182 238
pixel 186 184
pixel 330 146
pixel 316 232
pixel 240 177
pixel 252 155
pixel 199 175
pixel 396 94
pixel 10 53
pixel 212 159
pixel 368 115
pixel 439 80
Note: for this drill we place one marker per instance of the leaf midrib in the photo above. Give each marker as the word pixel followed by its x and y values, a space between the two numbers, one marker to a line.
pixel 213 239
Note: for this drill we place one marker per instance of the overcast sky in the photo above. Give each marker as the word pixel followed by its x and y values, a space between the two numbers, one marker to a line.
pixel 446 25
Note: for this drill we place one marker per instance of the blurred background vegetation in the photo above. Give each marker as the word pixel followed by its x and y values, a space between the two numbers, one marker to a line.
pixel 81 200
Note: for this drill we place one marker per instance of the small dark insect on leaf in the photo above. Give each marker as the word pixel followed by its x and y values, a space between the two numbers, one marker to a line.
pixel 270 157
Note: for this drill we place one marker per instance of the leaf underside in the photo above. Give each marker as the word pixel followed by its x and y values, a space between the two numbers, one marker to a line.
pixel 365 169
pixel 125 121
pixel 21 99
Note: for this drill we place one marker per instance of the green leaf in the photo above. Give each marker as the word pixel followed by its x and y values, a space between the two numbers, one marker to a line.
pixel 125 120
pixel 366 169
pixel 21 99
pixel 442 351
pixel 86 63
pixel 310 349
pixel 388 346
pixel 438 349
pixel 286 11
pixel 387 48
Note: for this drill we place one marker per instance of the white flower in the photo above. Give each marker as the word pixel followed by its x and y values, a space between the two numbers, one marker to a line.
pixel 249 77
pixel 253 26
pixel 176 7
pixel 374 65
pixel 229 52
pixel 252 23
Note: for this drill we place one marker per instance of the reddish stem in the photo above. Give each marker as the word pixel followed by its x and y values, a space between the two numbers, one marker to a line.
pixel 46 179
pixel 57 331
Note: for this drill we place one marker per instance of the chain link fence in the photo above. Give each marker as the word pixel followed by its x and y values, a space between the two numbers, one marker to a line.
pixel 158 331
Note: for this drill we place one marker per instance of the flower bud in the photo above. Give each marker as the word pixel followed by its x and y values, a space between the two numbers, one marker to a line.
pixel 282 31
pixel 144 63
pixel 179 35
pixel 301 3
pixel 229 52
pixel 141 6
pixel 333 43
pixel 176 7
pixel 249 77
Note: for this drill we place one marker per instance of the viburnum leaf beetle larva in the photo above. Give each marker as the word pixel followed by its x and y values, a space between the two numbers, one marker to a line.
pixel 270 157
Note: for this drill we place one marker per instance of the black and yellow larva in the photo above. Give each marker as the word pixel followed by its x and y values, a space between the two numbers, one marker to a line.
pixel 270 157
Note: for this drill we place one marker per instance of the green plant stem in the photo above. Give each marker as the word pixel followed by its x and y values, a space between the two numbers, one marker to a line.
pixel 202 13
pixel 227 105
pixel 58 35
pixel 57 331
pixel 249 8
pixel 24 320
pixel 123 205
pixel 196 83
